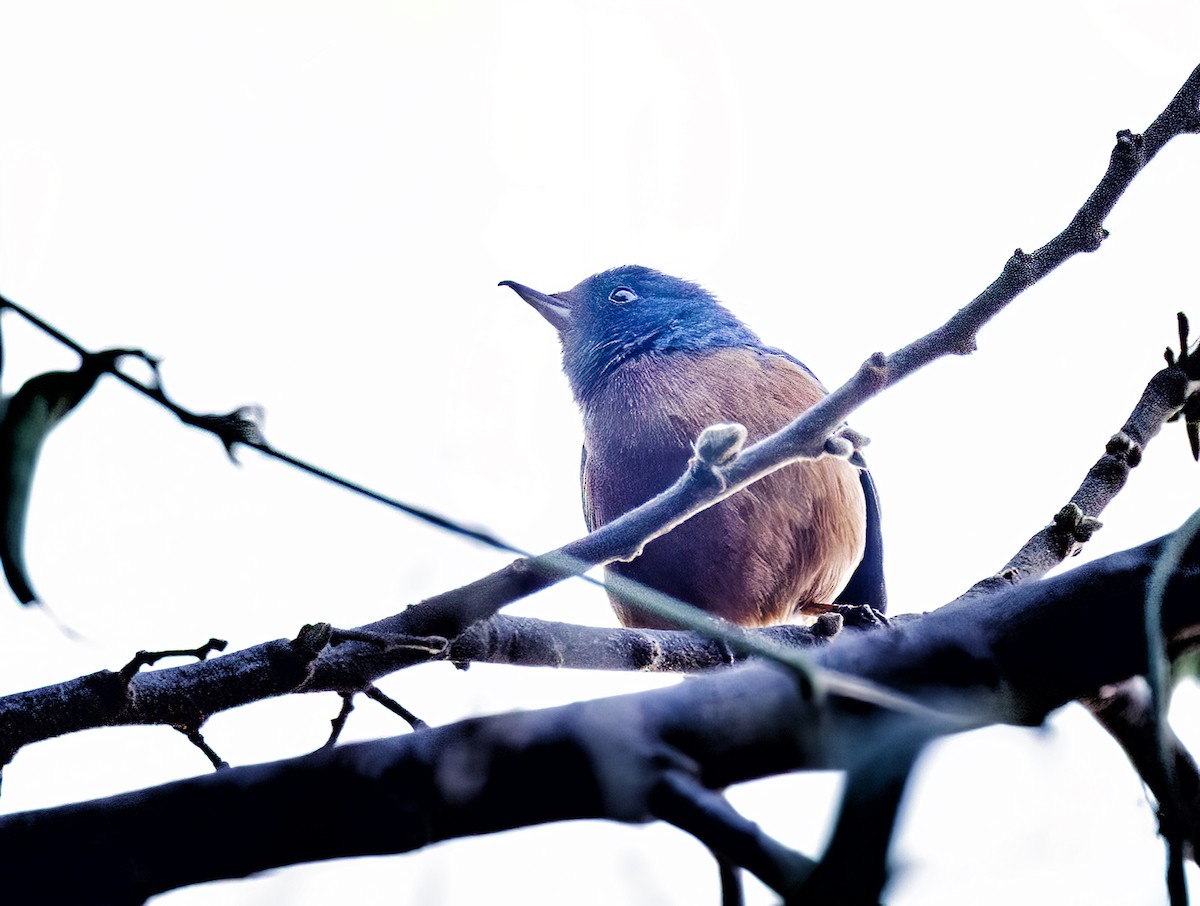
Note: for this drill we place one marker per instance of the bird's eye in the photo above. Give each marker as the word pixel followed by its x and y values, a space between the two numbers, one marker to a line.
pixel 622 294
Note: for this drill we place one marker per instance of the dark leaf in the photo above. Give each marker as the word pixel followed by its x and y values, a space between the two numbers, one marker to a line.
pixel 27 418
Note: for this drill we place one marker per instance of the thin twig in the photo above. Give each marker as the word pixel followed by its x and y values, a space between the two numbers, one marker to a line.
pixel 434 646
pixel 220 424
pixel 149 658
pixel 338 723
pixel 375 694
pixel 196 738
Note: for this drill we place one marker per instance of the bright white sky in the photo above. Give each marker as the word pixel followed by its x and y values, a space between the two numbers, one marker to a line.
pixel 309 205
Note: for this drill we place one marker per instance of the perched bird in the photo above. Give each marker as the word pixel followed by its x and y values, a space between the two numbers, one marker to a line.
pixel 652 361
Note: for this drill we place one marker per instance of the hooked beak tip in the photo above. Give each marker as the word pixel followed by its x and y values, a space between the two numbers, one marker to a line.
pixel 552 309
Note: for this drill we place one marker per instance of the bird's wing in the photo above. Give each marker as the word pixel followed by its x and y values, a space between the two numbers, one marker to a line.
pixel 589 512
pixel 867 585
pixel 774 350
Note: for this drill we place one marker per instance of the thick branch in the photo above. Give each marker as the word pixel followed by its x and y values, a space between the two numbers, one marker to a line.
pixel 854 869
pixel 182 696
pixel 185 696
pixel 1012 656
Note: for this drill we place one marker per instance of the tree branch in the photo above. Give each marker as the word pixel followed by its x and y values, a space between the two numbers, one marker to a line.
pixel 712 478
pixel 255 673
pixel 360 656
pixel 538 643
pixel 707 481
pixel 680 799
pixel 1077 521
pixel 188 695
pixel 1125 710
pixel 1013 656
pixel 183 696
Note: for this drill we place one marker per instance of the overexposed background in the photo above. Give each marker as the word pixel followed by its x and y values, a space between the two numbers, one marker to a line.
pixel 308 205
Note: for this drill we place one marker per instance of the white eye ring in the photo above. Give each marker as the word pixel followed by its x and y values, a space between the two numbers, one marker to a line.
pixel 621 295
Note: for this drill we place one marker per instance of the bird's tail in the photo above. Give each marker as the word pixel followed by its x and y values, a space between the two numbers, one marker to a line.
pixel 867 585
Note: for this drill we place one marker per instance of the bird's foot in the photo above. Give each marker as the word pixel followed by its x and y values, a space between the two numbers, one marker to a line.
pixel 860 616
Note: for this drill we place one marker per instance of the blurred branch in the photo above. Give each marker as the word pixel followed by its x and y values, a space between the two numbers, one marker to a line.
pixel 1158 680
pixel 1126 711
pixel 1015 656
pixel 682 800
pixel 854 868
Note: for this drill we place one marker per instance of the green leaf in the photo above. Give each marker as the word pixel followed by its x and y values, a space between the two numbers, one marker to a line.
pixel 27 418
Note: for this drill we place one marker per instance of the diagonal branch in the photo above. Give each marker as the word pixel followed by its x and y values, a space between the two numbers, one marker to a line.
pixel 1126 711
pixel 682 800
pixel 854 868
pixel 1075 523
pixel 708 482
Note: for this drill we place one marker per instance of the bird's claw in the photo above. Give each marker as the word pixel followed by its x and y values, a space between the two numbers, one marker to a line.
pixel 860 616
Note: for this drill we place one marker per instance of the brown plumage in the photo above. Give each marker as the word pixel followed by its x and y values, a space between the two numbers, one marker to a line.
pixel 652 361
pixel 788 541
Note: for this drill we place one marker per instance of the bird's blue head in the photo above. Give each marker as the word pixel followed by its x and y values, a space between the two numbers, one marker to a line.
pixel 616 316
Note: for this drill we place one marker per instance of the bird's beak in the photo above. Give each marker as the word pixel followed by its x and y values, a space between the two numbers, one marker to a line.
pixel 553 309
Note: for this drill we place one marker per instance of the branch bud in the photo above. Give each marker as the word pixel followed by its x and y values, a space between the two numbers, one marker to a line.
pixel 718 445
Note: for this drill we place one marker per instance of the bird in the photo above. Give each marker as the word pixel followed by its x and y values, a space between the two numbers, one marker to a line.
pixel 652 360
